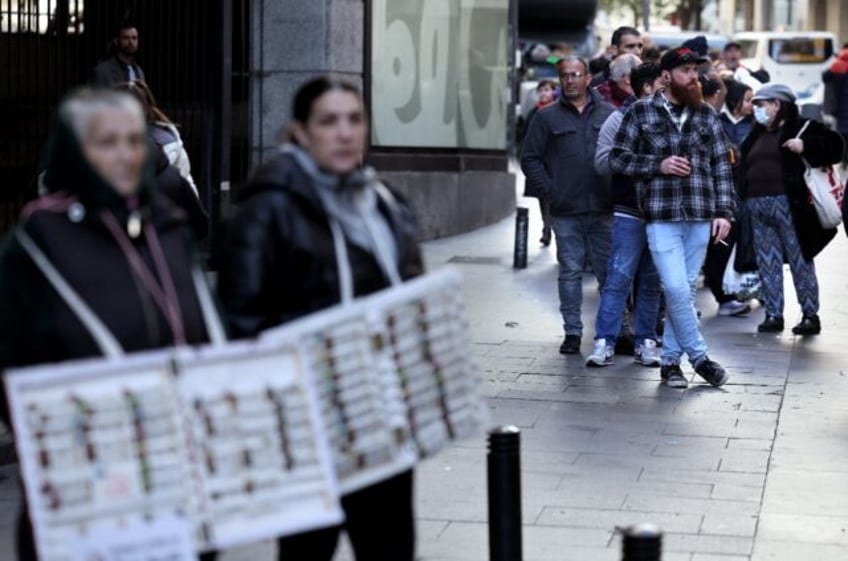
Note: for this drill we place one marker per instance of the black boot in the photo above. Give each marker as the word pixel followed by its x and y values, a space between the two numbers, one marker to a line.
pixel 810 325
pixel 772 324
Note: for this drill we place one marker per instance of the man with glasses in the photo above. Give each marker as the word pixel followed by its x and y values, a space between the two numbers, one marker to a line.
pixel 558 156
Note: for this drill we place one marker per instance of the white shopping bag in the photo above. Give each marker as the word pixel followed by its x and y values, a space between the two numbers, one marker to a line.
pixel 746 286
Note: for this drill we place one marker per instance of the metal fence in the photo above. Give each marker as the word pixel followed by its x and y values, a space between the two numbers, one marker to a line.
pixel 194 54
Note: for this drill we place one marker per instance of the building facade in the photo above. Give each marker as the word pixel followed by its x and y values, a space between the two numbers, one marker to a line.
pixel 436 75
pixel 784 15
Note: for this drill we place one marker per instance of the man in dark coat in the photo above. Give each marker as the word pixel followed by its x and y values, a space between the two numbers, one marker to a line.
pixel 121 65
pixel 558 157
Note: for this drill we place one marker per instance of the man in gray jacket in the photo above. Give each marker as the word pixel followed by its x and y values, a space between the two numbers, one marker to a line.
pixel 558 156
pixel 121 65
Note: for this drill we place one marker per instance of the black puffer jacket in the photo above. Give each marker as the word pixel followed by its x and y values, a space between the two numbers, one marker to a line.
pixel 170 183
pixel 822 147
pixel 36 326
pixel 277 260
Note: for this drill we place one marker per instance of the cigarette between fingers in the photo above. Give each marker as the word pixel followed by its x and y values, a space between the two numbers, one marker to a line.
pixel 724 243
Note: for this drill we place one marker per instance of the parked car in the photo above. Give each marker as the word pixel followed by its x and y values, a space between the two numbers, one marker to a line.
pixel 794 58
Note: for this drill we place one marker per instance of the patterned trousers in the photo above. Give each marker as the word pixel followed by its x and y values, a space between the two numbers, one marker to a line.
pixel 776 242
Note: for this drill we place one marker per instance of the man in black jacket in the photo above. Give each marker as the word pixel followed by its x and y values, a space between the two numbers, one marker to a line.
pixel 558 156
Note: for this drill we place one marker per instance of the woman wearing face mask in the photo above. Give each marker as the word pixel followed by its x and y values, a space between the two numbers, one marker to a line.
pixel 101 264
pixel 786 228
pixel 316 228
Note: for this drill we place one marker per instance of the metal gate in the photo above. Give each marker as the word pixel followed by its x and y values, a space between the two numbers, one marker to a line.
pixel 195 58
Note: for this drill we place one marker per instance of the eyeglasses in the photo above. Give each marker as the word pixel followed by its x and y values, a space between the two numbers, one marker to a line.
pixel 571 76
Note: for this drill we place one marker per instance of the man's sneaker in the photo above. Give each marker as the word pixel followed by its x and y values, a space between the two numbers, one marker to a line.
pixel 571 345
pixel 647 353
pixel 810 325
pixel 672 376
pixel 733 308
pixel 772 324
pixel 712 372
pixel 601 355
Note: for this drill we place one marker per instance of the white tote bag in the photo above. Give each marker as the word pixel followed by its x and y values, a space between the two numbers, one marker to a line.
pixel 826 190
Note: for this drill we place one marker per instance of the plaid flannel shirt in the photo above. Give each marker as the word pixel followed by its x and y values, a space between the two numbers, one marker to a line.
pixel 648 135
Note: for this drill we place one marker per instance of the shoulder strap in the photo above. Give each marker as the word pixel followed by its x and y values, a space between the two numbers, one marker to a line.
pixel 214 327
pixel 803 128
pixel 342 263
pixel 109 346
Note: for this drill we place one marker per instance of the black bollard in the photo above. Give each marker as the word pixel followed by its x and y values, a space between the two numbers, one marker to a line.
pixel 642 542
pixel 504 466
pixel 522 228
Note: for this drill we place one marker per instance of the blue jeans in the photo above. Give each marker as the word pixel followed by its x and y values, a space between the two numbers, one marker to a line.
pixel 629 256
pixel 678 249
pixel 577 237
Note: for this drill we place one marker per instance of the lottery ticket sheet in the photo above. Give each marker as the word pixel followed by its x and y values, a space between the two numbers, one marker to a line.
pixel 262 464
pixel 228 439
pixel 101 448
pixel 394 375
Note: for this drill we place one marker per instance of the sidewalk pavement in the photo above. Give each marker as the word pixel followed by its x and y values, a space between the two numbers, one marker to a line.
pixel 753 471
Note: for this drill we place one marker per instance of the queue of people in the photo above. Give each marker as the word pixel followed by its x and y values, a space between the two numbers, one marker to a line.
pixel 701 165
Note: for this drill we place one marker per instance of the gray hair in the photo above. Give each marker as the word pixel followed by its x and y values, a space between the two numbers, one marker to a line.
pixel 78 109
pixel 622 66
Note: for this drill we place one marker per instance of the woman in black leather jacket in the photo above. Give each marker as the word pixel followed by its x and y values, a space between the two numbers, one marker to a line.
pixel 316 228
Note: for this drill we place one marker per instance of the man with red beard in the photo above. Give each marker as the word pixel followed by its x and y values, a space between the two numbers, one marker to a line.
pixel 673 146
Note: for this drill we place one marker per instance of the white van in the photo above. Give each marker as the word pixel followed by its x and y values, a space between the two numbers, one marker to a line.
pixel 794 58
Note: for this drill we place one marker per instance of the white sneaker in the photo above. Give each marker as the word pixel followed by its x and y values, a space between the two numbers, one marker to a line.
pixel 647 353
pixel 734 308
pixel 602 354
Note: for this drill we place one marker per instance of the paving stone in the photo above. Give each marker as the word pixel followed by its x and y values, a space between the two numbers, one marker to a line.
pixel 745 479
pixel 737 492
pixel 702 543
pixel 806 493
pixel 729 525
pixel 648 462
pixel 749 444
pixel 801 528
pixel 745 461
pixel 609 519
pixel 772 550
pixel 681 505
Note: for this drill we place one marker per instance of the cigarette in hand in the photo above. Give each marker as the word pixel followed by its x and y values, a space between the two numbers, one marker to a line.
pixel 724 243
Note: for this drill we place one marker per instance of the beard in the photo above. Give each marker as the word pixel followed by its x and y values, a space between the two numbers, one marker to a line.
pixel 128 50
pixel 689 94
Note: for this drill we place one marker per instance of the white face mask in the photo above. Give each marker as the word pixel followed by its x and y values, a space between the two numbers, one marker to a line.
pixel 761 115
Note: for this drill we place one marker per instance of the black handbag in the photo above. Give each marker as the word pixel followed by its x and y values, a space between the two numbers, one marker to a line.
pixel 746 257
